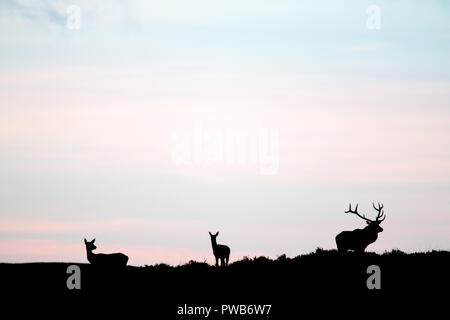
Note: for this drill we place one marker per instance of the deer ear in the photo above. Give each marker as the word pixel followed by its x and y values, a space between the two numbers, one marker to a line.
pixel 210 233
pixel 217 233
pixel 85 241
pixel 93 240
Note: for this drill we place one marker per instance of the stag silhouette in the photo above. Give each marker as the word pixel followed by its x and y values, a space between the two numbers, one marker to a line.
pixel 220 251
pixel 358 239
pixel 103 259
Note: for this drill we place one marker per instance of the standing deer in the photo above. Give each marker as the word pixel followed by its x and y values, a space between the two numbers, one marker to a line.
pixel 104 259
pixel 359 239
pixel 220 251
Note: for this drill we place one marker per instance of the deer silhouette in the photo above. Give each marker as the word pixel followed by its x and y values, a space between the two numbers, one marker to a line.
pixel 103 259
pixel 358 239
pixel 220 251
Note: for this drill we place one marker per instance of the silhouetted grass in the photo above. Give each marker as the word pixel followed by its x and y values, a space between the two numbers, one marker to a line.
pixel 283 260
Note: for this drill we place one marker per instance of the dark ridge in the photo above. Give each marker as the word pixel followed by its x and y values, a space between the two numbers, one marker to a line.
pixel 284 282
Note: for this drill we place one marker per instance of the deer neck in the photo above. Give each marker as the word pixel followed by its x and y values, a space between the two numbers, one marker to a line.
pixel 214 244
pixel 371 232
pixel 90 255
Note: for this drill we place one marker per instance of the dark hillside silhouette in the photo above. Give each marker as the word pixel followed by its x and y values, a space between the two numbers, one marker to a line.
pixel 320 282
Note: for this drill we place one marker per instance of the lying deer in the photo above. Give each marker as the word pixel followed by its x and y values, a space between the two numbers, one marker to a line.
pixel 104 259
pixel 359 239
pixel 220 251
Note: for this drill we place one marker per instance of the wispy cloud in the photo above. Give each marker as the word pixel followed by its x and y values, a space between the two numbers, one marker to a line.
pixel 51 11
pixel 46 250
pixel 364 47
pixel 40 226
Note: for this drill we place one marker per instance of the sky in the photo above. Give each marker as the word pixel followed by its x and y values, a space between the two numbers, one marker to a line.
pixel 121 121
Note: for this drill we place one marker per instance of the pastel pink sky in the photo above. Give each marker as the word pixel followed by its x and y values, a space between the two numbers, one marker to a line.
pixel 87 119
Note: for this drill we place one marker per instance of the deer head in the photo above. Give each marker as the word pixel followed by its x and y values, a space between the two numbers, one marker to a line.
pixel 213 236
pixel 90 245
pixel 372 224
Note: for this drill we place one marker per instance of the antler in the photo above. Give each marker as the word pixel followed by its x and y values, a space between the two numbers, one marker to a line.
pixel 380 212
pixel 356 212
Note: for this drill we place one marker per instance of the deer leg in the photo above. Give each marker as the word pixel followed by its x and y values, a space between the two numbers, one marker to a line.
pixel 217 261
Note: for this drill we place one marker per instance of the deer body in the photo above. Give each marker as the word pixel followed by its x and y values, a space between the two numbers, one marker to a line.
pixel 358 239
pixel 220 251
pixel 103 259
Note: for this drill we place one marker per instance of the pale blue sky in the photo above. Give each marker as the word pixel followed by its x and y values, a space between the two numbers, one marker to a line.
pixel 86 119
